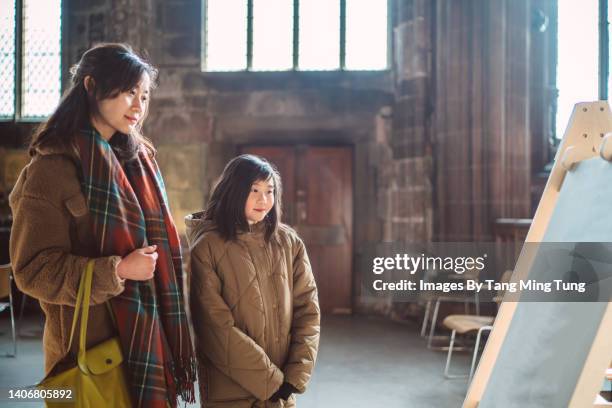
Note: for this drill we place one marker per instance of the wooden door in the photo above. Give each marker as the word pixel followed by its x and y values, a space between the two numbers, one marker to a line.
pixel 317 202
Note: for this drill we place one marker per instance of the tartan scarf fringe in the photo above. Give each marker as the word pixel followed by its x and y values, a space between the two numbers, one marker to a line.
pixel 184 375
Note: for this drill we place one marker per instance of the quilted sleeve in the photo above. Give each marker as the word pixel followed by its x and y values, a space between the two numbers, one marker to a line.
pixel 231 351
pixel 306 323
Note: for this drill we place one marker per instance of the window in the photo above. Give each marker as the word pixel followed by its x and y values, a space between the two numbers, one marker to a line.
pixel 281 35
pixel 30 58
pixel 583 56
pixel 7 58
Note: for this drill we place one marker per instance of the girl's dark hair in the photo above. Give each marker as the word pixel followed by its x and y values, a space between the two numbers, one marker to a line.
pixel 114 68
pixel 229 196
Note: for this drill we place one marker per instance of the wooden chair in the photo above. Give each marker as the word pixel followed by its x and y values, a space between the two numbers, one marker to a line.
pixel 466 323
pixel 436 298
pixel 6 278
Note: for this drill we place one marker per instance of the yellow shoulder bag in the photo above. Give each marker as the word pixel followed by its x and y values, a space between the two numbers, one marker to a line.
pixel 98 379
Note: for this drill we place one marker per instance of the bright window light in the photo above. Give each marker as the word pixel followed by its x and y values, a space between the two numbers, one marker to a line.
pixel 272 35
pixel 7 58
pixel 578 63
pixel 366 35
pixel 226 35
pixel 260 35
pixel 319 39
pixel 41 57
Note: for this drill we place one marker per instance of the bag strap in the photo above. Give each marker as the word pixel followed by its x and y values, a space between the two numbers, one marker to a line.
pixel 82 357
pixel 79 300
pixel 81 310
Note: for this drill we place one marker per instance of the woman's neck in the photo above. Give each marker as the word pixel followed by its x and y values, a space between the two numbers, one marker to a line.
pixel 105 130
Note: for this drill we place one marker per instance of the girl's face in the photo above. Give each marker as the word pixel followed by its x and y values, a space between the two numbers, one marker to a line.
pixel 123 112
pixel 260 201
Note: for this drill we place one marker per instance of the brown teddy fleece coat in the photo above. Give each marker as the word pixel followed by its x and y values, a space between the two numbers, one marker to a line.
pixel 255 314
pixel 51 242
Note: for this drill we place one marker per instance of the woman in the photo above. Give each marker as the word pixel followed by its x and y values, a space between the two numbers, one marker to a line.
pixel 252 293
pixel 93 190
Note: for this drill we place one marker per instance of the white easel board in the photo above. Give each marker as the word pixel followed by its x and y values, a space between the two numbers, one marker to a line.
pixel 555 354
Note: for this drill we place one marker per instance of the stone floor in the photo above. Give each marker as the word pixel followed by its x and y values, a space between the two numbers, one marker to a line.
pixel 362 362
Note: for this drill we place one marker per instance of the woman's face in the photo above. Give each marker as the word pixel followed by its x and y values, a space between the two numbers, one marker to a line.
pixel 123 112
pixel 260 201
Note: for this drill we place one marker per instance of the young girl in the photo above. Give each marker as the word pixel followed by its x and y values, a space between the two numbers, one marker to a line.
pixel 253 297
pixel 93 190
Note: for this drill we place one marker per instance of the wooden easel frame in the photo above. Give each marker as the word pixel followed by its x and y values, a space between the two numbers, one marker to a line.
pixel 584 138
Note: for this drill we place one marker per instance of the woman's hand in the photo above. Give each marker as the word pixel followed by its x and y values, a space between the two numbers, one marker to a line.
pixel 139 264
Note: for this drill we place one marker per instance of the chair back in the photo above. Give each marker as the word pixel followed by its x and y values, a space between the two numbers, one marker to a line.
pixel 5 285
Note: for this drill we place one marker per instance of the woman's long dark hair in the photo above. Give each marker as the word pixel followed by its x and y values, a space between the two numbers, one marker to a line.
pixel 229 196
pixel 114 68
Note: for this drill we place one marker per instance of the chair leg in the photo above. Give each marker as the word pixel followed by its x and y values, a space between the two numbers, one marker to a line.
pixel 12 307
pixel 449 356
pixel 450 353
pixel 24 298
pixel 476 347
pixel 441 337
pixel 425 318
pixel 433 323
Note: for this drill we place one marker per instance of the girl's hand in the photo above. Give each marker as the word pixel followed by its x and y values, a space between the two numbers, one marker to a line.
pixel 139 264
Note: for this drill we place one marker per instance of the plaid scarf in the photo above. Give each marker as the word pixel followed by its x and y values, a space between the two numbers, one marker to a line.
pixel 129 209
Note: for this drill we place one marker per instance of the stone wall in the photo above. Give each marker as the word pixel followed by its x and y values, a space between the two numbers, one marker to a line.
pixel 395 121
pixel 492 113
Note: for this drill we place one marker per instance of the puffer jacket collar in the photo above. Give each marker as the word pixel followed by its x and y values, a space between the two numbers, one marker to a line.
pixel 197 226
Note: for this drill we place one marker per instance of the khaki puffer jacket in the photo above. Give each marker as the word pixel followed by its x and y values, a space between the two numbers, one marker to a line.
pixel 51 242
pixel 255 314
